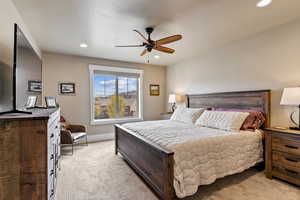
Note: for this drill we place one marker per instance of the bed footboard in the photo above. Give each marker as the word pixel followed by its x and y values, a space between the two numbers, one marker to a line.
pixel 154 164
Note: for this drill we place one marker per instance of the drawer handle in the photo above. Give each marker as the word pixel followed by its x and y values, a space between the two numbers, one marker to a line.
pixel 52 193
pixel 291 160
pixel 52 135
pixel 51 172
pixel 291 171
pixel 56 127
pixel 52 157
pixel 291 147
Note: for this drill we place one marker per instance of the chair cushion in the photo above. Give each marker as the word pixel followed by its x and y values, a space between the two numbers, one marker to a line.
pixel 78 135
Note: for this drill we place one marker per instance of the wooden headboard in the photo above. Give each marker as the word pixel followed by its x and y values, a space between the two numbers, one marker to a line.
pixel 249 100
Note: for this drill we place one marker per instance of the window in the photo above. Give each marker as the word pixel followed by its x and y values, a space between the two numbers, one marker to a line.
pixel 116 94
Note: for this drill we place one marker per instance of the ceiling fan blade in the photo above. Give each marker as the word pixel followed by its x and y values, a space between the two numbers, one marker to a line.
pixel 141 35
pixel 168 40
pixel 164 49
pixel 130 45
pixel 144 52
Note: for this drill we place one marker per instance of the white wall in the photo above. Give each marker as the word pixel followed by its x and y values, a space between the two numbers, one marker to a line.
pixel 64 68
pixel 8 16
pixel 269 60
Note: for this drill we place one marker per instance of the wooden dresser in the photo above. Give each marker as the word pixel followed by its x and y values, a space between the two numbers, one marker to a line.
pixel 283 154
pixel 29 155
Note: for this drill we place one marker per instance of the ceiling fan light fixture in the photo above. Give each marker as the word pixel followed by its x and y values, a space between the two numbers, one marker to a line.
pixel 263 3
pixel 83 45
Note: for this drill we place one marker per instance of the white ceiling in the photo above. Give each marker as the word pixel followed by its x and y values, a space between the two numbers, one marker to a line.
pixel 61 25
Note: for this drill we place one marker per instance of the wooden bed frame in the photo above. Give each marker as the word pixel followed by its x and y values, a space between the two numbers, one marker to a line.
pixel 155 164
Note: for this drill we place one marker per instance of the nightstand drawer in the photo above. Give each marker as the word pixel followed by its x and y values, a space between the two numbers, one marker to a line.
pixel 287 171
pixel 286 144
pixel 283 154
pixel 285 159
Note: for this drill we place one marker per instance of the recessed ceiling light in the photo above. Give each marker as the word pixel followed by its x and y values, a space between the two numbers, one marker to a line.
pixel 263 3
pixel 83 45
pixel 156 56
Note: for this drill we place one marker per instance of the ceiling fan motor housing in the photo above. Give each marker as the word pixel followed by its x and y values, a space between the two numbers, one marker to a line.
pixel 149 30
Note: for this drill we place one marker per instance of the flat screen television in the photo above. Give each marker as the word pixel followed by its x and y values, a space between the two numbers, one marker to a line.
pixel 5 86
pixel 25 78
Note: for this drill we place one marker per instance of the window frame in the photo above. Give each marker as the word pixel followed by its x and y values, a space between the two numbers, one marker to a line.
pixel 94 121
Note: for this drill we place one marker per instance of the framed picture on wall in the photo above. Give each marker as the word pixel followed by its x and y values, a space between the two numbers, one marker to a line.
pixel 154 90
pixel 35 86
pixel 67 88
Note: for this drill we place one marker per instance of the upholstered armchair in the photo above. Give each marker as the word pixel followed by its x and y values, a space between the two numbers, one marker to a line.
pixel 72 134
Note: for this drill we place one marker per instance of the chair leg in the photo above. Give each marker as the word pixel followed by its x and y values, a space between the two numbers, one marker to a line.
pixel 86 141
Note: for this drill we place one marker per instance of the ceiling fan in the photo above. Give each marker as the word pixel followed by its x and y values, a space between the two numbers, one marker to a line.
pixel 150 44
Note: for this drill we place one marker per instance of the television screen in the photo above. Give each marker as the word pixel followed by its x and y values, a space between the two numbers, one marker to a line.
pixel 28 71
pixel 6 92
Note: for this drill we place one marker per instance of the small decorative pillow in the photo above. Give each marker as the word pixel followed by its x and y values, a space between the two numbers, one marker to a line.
pixel 224 120
pixel 187 115
pixel 254 121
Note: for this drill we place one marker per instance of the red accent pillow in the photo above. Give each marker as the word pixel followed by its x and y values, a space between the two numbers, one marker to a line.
pixel 254 120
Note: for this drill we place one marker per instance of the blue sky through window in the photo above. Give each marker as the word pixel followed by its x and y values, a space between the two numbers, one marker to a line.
pixel 105 85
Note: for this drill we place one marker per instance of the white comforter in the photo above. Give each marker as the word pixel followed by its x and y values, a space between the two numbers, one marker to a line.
pixel 202 154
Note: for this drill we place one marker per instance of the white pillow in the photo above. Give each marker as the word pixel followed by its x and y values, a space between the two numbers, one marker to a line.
pixel 187 115
pixel 224 120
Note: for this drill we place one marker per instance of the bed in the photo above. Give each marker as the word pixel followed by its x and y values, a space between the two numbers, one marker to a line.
pixel 153 157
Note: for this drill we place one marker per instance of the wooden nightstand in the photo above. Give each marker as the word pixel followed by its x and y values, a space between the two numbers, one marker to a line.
pixel 283 154
pixel 165 116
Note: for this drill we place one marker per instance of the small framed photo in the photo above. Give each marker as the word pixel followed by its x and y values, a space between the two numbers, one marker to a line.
pixel 31 102
pixel 35 86
pixel 50 102
pixel 154 90
pixel 67 88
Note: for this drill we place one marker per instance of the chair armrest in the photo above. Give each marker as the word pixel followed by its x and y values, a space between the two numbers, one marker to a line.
pixel 76 128
pixel 66 137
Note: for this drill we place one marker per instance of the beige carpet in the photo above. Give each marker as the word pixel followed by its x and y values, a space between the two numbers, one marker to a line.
pixel 95 173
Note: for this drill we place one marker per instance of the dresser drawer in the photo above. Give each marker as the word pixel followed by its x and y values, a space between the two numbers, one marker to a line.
pixel 54 116
pixel 54 131
pixel 54 124
pixel 286 159
pixel 51 164
pixel 51 189
pixel 286 144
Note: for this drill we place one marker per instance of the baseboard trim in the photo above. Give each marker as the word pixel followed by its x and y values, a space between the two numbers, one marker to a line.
pixel 100 137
